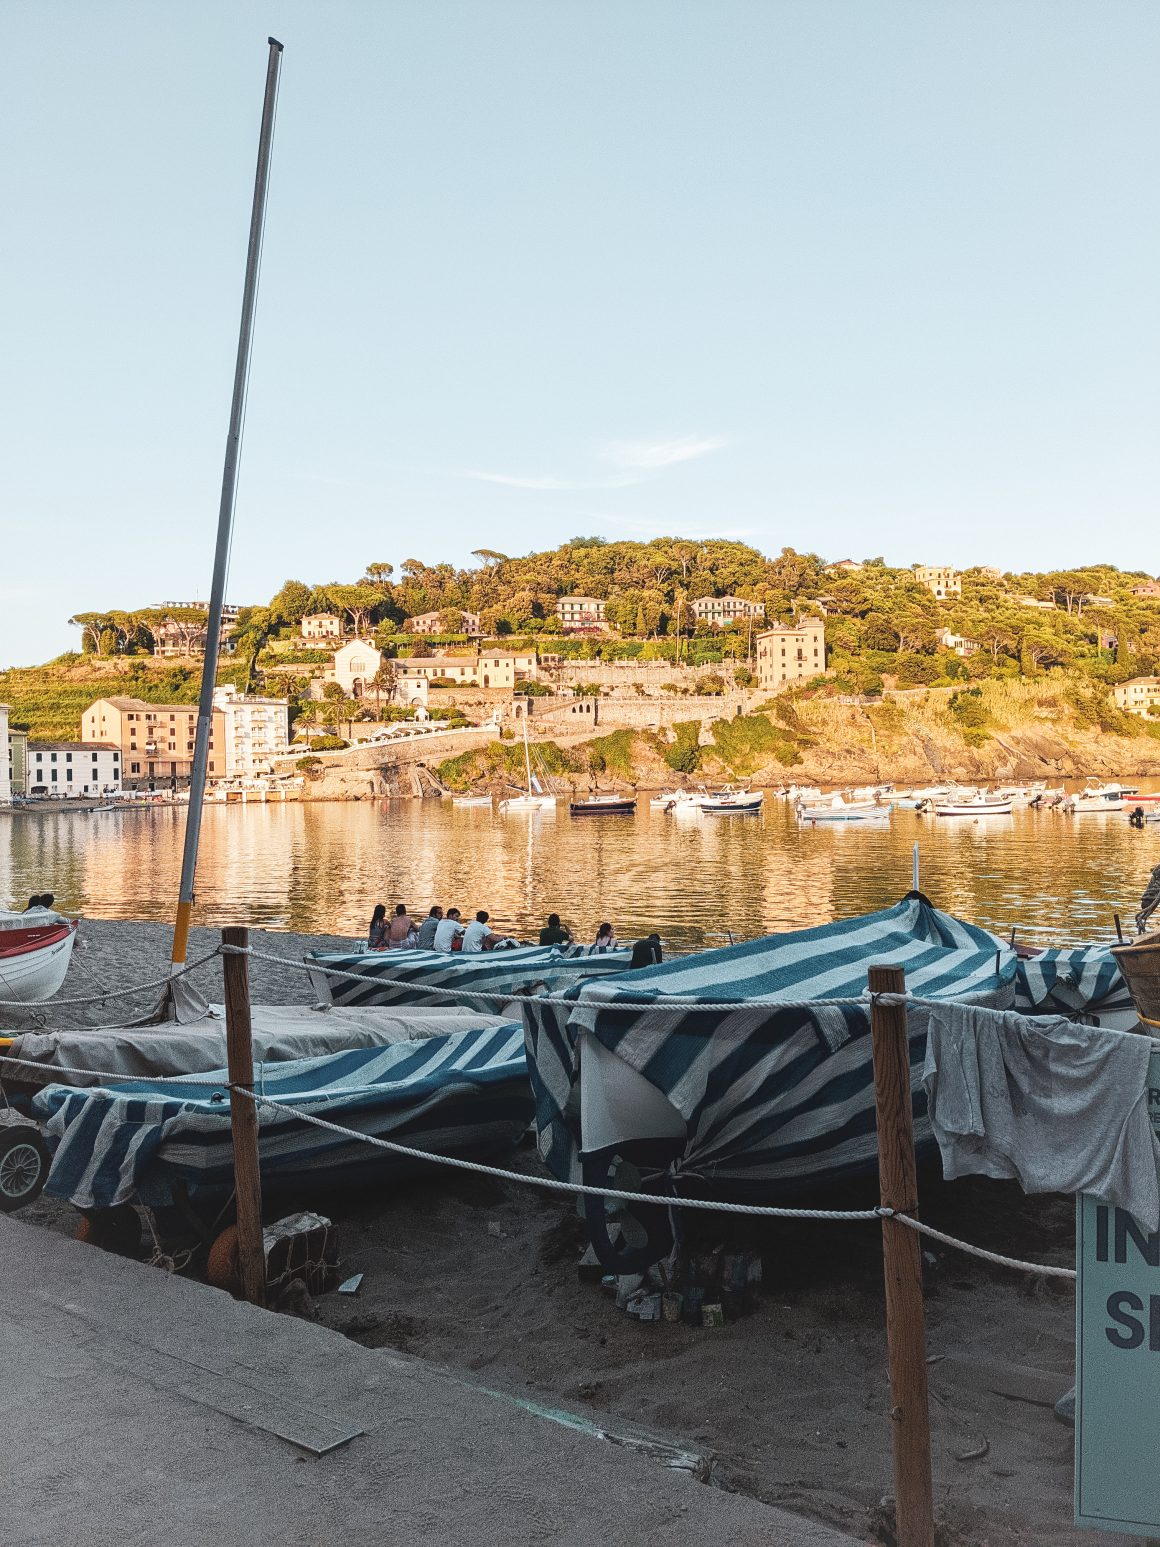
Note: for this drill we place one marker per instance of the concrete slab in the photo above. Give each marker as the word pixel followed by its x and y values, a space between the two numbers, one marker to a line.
pixel 138 1408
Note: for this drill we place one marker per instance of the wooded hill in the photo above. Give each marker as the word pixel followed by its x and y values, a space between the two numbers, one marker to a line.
pixel 880 623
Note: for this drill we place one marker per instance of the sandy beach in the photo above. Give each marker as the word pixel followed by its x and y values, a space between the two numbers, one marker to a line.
pixel 791 1401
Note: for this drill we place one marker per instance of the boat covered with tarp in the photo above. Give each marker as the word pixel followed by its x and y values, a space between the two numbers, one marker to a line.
pixel 434 977
pixel 1082 981
pixel 465 1093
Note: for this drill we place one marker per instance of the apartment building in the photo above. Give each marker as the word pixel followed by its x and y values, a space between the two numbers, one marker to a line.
pixel 17 761
pixel 254 730
pixel 5 757
pixel 73 768
pixel 1139 695
pixel 581 614
pixel 940 580
pixel 155 740
pixel 791 652
pixel 721 610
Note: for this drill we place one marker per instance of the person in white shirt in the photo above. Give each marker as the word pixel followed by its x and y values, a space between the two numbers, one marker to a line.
pixel 449 931
pixel 478 937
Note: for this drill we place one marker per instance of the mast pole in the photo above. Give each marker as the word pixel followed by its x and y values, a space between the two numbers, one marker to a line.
pixel 226 511
pixel 527 754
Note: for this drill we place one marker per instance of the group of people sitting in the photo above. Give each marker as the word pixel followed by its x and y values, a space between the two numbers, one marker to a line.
pixel 441 931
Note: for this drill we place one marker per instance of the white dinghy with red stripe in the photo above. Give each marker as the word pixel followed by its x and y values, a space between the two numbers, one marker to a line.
pixel 35 950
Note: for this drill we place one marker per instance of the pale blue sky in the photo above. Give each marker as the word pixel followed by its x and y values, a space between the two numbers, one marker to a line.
pixel 858 277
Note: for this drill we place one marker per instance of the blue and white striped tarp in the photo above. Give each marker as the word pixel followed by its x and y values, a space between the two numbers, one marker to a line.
pixel 466 1092
pixel 780 1089
pixel 401 977
pixel 1087 981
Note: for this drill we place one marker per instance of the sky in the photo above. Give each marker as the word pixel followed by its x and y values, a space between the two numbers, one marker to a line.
pixel 861 277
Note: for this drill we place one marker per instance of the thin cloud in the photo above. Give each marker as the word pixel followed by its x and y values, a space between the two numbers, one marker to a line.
pixel 653 454
pixel 548 482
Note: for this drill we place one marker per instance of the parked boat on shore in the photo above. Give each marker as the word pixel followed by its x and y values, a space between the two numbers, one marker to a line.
pixel 35 951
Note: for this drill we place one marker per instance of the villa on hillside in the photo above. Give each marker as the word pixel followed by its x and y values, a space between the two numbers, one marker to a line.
pixel 847 566
pixel 1033 601
pixel 791 653
pixel 721 610
pixel 428 622
pixel 357 665
pixel 956 642
pixel 321 625
pixel 175 638
pixel 1149 589
pixel 1139 695
pixel 940 580
pixel 489 669
pixel 581 614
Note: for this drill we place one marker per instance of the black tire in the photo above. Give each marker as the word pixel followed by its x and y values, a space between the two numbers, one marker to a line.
pixel 24 1162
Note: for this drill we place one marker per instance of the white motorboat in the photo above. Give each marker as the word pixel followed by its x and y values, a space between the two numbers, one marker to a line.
pixel 671 800
pixel 471 800
pixel 796 793
pixel 1103 798
pixel 535 798
pixel 977 805
pixel 836 809
pixel 872 792
pixel 730 798
pixel 35 950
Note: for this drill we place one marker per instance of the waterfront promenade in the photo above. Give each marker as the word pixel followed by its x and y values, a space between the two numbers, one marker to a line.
pixel 138 1407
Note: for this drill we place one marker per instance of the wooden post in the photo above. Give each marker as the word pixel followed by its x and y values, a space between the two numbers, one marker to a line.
pixel 244 1120
pixel 902 1262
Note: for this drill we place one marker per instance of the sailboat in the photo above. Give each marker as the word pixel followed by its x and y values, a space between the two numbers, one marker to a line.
pixel 535 798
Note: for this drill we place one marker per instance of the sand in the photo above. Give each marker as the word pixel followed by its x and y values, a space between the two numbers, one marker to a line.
pixel 792 1400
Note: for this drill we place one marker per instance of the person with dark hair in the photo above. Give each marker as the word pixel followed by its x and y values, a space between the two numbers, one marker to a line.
pixel 605 938
pixel 647 952
pixel 401 930
pixel 377 934
pixel 427 929
pixel 554 933
pixel 478 937
pixel 449 932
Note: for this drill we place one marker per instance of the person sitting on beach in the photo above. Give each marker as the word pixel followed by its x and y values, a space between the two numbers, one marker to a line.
pixel 377 934
pixel 478 937
pixel 554 933
pixel 449 931
pixel 401 929
pixel 646 952
pixel 427 929
pixel 605 938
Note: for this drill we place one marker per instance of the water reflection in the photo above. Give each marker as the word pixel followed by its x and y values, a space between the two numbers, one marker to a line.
pixel 320 868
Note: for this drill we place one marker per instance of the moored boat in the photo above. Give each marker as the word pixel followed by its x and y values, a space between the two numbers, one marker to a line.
pixel 836 809
pixel 35 950
pixel 977 805
pixel 603 805
pixel 730 798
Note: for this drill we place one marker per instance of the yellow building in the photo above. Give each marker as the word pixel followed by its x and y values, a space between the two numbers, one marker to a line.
pixel 156 740
pixel 791 652
pixel 1139 695
pixel 939 579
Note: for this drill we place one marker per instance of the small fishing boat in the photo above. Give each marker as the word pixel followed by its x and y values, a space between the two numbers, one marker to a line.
pixel 872 791
pixel 977 805
pixel 603 805
pixel 1107 797
pixel 471 800
pixel 730 798
pixel 35 950
pixel 838 810
pixel 669 800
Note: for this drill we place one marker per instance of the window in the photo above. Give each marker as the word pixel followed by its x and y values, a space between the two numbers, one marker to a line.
pixel 135 768
pixel 68 757
pixel 52 758
pixel 54 776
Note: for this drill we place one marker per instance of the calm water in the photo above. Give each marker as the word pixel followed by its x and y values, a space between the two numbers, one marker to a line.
pixel 320 868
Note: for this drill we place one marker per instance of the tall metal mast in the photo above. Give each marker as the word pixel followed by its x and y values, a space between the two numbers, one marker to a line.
pixel 221 560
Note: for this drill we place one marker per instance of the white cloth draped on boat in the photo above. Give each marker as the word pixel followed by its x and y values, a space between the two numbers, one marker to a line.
pixel 1055 1106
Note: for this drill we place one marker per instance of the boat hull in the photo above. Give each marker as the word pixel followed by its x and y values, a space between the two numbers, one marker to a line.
pixel 1139 965
pixel 602 807
pixel 33 962
pixel 974 808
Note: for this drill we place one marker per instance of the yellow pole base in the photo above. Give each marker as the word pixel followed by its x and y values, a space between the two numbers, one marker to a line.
pixel 181 934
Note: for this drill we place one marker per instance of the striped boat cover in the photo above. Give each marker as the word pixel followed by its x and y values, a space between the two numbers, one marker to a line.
pixel 779 1090
pixel 1064 982
pixel 465 1092
pixel 400 977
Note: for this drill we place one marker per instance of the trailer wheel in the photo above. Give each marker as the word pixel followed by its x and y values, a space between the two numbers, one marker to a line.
pixel 116 1230
pixel 24 1163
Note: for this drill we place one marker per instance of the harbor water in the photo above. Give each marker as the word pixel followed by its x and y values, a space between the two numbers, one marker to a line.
pixel 697 879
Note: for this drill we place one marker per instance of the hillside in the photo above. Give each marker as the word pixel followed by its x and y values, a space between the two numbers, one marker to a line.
pixel 48 700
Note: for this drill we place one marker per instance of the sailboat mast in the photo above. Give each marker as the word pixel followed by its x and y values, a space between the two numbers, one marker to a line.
pixel 527 755
pixel 226 511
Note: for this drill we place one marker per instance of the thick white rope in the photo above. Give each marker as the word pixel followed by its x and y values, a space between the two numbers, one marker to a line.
pixel 116 993
pixel 977 1251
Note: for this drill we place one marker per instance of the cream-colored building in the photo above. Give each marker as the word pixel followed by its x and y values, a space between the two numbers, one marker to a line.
pixel 1034 601
pixel 155 740
pixel 791 653
pixel 321 625
pixel 1148 590
pixel 357 665
pixel 175 638
pixel 580 614
pixel 73 769
pixel 429 622
pixel 847 566
pixel 956 642
pixel 721 610
pixel 254 730
pixel 488 669
pixel 5 757
pixel 939 579
pixel 1139 695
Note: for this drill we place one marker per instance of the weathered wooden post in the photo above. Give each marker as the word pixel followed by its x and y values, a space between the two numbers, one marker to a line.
pixel 902 1263
pixel 244 1119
